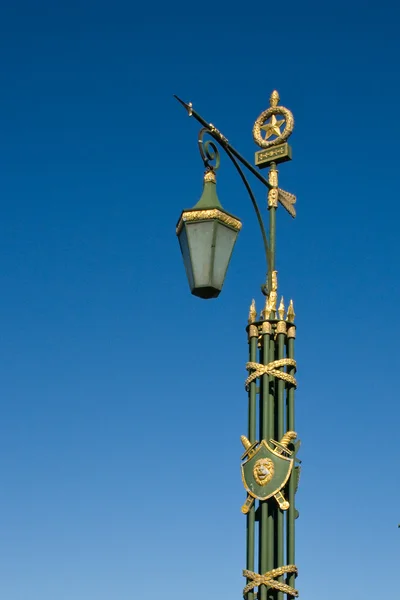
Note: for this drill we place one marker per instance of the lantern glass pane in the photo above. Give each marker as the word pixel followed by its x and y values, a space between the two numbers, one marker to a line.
pixel 200 237
pixel 224 242
pixel 183 242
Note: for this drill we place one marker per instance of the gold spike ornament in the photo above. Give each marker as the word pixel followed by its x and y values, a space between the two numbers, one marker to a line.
pixel 281 309
pixel 290 313
pixel 252 312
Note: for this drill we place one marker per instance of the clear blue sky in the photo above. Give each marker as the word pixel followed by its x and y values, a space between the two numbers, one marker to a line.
pixel 122 398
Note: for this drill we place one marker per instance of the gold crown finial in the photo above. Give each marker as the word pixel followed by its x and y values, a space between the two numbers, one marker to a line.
pixel 281 309
pixel 245 442
pixel 290 313
pixel 274 99
pixel 252 312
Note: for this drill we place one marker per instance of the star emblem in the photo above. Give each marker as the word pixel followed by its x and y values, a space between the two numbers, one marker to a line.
pixel 273 127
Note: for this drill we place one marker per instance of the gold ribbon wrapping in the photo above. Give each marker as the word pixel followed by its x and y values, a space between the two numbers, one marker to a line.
pixel 269 579
pixel 271 369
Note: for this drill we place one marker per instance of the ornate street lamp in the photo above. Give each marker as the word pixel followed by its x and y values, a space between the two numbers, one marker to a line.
pixel 270 467
pixel 207 234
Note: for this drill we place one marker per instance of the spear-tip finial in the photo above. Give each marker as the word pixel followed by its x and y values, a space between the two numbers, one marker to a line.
pixel 252 312
pixel 187 105
pixel 265 311
pixel 290 313
pixel 281 309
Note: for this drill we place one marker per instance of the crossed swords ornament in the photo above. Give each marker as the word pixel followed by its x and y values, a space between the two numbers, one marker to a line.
pixel 266 476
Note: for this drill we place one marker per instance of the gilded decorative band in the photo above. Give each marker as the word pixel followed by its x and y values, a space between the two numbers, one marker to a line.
pixel 281 327
pixel 273 177
pixel 253 331
pixel 291 332
pixel 202 215
pixel 210 176
pixel 266 327
pixel 273 198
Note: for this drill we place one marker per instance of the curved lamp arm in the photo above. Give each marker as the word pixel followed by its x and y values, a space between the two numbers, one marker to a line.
pixel 209 152
pixel 257 210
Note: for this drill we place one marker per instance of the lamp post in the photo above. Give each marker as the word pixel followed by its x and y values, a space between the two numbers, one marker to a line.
pixel 270 468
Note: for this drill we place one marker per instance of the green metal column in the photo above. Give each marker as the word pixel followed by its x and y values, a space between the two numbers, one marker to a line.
pixel 271 507
pixel 291 371
pixel 290 417
pixel 272 245
pixel 250 563
pixel 253 338
pixel 279 432
pixel 266 526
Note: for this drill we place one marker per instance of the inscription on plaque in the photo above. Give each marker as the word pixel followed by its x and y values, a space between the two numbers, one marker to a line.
pixel 277 154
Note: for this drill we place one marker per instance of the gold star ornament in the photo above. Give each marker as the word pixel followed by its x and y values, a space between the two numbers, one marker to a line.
pixel 269 123
pixel 273 127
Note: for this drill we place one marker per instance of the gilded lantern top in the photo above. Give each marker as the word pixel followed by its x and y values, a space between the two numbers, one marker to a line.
pixel 271 125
